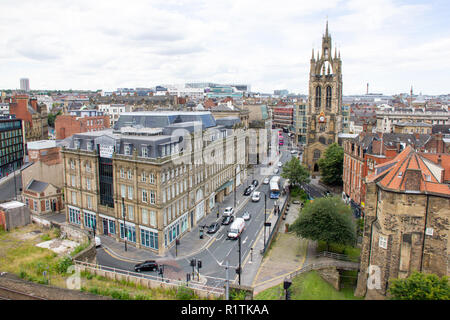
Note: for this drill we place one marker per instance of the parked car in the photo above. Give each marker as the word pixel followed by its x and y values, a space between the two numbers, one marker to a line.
pixel 247 191
pixel 255 183
pixel 149 265
pixel 276 170
pixel 98 242
pixel 266 181
pixel 228 211
pixel 256 196
pixel 280 164
pixel 227 220
pixel 293 151
pixel 213 228
pixel 246 216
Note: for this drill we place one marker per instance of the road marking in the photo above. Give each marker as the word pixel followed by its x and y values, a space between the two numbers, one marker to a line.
pixel 245 240
pixel 116 257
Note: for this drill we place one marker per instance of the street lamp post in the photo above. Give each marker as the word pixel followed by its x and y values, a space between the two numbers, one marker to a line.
pixel 124 223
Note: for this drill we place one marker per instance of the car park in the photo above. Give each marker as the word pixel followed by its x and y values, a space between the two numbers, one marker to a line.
pixel 213 228
pixel 227 220
pixel 266 181
pixel 149 265
pixel 256 196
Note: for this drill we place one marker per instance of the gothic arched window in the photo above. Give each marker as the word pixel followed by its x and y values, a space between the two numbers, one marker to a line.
pixel 328 100
pixel 318 97
pixel 322 140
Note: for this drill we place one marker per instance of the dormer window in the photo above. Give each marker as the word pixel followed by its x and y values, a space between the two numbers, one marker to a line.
pixel 400 174
pixel 144 151
pixel 127 149
pixel 77 143
pixel 90 145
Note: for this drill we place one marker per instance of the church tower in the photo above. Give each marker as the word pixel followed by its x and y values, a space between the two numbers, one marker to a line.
pixel 324 117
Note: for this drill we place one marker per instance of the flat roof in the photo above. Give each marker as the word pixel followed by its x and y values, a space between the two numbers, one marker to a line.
pixel 41 144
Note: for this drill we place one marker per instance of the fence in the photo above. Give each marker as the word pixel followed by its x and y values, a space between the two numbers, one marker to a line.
pixel 277 225
pixel 343 265
pixel 150 281
pixel 336 256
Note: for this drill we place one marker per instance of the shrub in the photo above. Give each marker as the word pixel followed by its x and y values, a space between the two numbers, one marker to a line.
pixel 184 293
pixel 63 264
pixel 46 237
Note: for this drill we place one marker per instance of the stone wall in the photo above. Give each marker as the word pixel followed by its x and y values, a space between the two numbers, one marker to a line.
pixel 402 219
pixel 332 276
pixel 149 283
pixel 49 292
pixel 87 255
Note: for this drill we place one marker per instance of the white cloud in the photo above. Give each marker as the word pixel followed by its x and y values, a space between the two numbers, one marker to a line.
pixel 108 44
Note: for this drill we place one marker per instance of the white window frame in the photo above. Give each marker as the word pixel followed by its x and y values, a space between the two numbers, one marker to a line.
pixel 130 192
pixel 152 197
pixel 382 242
pixel 144 195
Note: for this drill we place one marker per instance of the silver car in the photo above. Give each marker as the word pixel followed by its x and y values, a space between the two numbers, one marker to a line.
pixel 246 216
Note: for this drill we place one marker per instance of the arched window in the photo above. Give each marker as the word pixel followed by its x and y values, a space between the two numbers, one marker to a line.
pixel 328 100
pixel 316 167
pixel 318 97
pixel 322 140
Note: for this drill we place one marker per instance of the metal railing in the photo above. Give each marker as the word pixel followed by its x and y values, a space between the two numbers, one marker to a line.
pixel 337 256
pixel 191 284
pixel 322 265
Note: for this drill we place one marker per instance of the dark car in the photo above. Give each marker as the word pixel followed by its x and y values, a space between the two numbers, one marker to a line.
pixel 255 183
pixel 149 265
pixel 227 220
pixel 248 191
pixel 213 228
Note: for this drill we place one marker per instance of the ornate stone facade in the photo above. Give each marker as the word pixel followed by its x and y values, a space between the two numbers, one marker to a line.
pixel 324 116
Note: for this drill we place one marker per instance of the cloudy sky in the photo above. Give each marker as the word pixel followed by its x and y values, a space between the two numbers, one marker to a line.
pixel 84 44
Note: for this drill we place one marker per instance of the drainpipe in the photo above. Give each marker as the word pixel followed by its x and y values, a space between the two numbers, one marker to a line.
pixel 424 233
pixel 371 235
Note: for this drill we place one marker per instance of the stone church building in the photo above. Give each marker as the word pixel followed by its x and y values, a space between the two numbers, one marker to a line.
pixel 324 103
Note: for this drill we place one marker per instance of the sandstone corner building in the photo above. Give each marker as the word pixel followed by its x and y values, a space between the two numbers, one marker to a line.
pixel 154 176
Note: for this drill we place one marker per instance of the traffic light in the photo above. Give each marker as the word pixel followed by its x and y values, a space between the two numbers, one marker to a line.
pixel 193 262
pixel 199 264
pixel 188 277
pixel 238 270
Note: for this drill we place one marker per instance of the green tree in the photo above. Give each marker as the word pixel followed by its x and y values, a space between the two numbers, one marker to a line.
pixel 420 286
pixel 331 165
pixel 52 117
pixel 295 172
pixel 326 219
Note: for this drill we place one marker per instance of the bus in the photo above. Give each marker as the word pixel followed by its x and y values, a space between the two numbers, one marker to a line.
pixel 274 185
pixel 280 140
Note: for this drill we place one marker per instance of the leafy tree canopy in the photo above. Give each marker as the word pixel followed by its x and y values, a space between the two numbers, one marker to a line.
pixel 295 172
pixel 420 286
pixel 326 219
pixel 331 165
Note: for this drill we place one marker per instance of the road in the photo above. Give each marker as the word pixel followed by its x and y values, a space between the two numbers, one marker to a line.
pixel 7 187
pixel 221 249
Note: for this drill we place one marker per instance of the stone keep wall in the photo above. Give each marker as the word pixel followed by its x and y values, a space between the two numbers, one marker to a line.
pixel 332 276
pixel 437 248
pixel 402 220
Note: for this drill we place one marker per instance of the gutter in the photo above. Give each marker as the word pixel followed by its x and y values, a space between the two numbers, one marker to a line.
pixel 371 236
pixel 424 233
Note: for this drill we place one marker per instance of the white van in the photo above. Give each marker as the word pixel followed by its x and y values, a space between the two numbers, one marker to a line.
pixel 236 228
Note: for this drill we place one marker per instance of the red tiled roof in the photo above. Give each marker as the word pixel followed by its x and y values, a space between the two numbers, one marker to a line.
pixel 411 165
